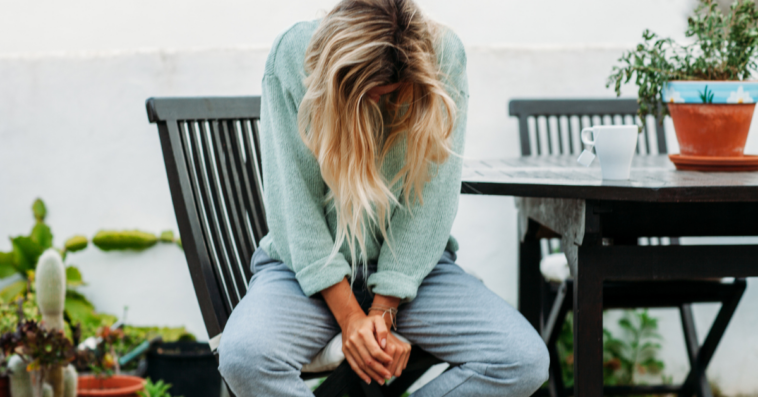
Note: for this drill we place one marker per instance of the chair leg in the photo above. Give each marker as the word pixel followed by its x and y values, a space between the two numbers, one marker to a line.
pixel 705 353
pixel 371 390
pixel 530 278
pixel 555 383
pixel 550 332
pixel 338 383
pixel 702 387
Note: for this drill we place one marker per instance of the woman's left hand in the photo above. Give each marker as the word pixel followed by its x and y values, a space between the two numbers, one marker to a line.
pixel 394 347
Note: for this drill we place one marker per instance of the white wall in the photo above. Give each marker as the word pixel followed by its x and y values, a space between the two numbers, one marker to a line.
pixel 74 76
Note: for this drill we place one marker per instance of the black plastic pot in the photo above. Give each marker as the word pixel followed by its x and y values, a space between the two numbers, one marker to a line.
pixel 189 366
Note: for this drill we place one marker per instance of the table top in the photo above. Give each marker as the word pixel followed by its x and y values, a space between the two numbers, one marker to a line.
pixel 653 178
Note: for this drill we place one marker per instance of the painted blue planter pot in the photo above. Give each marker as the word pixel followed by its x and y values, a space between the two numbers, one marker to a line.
pixel 711 92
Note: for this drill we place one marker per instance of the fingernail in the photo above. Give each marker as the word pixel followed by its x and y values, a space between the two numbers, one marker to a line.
pixel 382 382
pixel 384 343
pixel 368 381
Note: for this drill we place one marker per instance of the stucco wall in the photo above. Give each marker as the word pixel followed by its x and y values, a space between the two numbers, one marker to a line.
pixel 73 128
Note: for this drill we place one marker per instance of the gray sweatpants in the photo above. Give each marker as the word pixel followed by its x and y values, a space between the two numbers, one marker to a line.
pixel 276 329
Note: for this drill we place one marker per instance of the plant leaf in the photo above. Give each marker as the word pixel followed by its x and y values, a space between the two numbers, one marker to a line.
pixel 26 252
pixel 79 308
pixel 7 265
pixel 73 277
pixel 10 292
pixel 39 209
pixel 76 243
pixel 108 240
pixel 42 235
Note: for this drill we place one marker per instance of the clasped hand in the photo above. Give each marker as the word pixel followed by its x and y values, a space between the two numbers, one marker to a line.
pixel 371 350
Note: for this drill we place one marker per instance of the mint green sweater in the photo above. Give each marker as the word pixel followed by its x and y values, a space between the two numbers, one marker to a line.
pixel 302 230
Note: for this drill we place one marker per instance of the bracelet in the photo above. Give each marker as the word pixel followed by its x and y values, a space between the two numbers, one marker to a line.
pixel 386 309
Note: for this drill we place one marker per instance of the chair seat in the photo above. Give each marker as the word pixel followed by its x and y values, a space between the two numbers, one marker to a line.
pixel 328 359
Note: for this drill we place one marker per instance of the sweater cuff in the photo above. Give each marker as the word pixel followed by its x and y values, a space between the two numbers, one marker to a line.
pixel 393 283
pixel 319 275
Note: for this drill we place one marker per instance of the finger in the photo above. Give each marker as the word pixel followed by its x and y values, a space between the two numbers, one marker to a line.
pixel 397 362
pixel 356 368
pixel 381 331
pixel 407 357
pixel 367 363
pixel 373 363
pixel 373 347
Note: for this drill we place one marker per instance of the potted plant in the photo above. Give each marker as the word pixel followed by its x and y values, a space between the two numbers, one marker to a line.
pixel 106 378
pixel 704 84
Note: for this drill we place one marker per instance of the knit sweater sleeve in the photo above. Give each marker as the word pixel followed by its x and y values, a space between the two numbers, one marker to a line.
pixel 294 193
pixel 419 236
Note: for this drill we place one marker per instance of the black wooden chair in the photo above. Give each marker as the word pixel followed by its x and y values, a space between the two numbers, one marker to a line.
pixel 212 156
pixel 552 127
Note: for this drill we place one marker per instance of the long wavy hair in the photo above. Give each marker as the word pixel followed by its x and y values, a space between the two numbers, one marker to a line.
pixel 359 45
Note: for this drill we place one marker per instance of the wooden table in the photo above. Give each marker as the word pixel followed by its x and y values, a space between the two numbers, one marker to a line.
pixel 599 223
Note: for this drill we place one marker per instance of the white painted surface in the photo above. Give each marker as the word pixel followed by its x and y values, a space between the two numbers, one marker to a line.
pixel 73 129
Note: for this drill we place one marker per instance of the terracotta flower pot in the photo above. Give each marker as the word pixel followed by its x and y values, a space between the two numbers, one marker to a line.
pixel 716 130
pixel 115 386
pixel 711 118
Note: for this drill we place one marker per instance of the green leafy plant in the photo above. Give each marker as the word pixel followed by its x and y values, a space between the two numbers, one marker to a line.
pixel 25 253
pixel 105 362
pixel 635 353
pixel 625 358
pixel 159 389
pixel 724 48
pixel 11 313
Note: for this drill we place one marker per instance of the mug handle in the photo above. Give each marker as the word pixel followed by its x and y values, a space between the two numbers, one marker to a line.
pixel 585 136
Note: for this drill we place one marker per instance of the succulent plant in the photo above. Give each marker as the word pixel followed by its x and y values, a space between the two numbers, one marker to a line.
pixel 70 378
pixel 76 243
pixel 20 381
pixel 50 281
pixel 108 240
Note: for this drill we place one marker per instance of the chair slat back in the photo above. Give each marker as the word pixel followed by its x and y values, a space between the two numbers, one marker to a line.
pixel 553 126
pixel 213 163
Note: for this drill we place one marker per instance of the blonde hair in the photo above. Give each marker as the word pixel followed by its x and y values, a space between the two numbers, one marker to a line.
pixel 359 45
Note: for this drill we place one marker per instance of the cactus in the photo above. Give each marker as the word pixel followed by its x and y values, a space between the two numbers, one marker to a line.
pixel 50 280
pixel 108 240
pixel 55 377
pixel 76 243
pixel 20 381
pixel 70 381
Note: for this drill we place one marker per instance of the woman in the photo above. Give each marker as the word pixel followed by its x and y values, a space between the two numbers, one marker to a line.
pixel 362 127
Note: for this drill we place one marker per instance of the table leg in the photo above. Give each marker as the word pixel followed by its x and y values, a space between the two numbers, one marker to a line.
pixel 588 326
pixel 530 278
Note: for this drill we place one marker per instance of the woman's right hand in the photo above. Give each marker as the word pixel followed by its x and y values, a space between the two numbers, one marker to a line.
pixel 362 350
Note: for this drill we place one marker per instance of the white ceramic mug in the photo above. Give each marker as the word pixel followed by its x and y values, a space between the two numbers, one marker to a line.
pixel 614 145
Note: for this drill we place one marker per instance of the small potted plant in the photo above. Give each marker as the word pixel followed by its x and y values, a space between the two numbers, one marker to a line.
pixel 705 85
pixel 106 379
